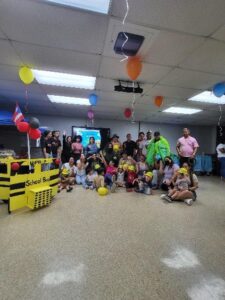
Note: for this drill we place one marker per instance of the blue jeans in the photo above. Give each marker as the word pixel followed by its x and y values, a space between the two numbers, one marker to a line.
pixel 222 166
pixel 108 179
pixel 80 179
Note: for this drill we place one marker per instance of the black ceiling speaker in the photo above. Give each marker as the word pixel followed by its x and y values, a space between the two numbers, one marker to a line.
pixel 132 45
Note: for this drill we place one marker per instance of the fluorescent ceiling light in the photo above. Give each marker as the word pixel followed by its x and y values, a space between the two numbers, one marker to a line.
pixel 64 79
pixel 182 110
pixel 100 6
pixel 68 100
pixel 208 97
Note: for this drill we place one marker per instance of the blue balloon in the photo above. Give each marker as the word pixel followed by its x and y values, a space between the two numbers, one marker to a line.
pixel 93 99
pixel 219 89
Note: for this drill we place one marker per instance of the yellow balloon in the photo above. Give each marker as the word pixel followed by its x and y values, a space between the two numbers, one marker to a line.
pixel 102 191
pixel 116 148
pixel 26 75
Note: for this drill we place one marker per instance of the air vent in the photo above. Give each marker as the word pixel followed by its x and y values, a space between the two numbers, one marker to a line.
pixel 132 45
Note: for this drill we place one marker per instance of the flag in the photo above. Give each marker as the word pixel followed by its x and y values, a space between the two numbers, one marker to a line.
pixel 17 116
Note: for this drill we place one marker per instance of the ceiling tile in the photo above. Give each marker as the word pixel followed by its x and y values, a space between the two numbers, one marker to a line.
pixel 171 48
pixel 196 17
pixel 39 23
pixel 8 55
pixel 53 59
pixel 219 34
pixel 191 79
pixel 208 58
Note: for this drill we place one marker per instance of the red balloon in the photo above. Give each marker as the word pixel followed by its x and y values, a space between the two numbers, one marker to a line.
pixel 134 67
pixel 57 161
pixel 15 166
pixel 127 113
pixel 158 101
pixel 34 134
pixel 23 126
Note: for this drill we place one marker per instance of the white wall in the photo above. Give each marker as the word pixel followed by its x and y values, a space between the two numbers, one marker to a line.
pixel 206 135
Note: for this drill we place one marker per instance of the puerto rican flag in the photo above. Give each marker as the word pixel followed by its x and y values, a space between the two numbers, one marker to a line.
pixel 17 116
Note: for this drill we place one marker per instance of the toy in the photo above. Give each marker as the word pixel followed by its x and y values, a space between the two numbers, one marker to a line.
pixel 32 185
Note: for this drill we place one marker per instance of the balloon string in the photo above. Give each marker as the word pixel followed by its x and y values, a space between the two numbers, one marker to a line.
pixel 126 37
pixel 219 121
pixel 133 104
pixel 26 97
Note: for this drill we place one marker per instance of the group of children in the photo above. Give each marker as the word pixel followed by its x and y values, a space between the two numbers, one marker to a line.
pixel 94 172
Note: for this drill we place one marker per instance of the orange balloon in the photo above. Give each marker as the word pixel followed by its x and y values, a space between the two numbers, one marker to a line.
pixel 134 67
pixel 158 101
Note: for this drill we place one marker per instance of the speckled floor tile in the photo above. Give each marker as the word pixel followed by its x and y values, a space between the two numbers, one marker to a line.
pixel 124 246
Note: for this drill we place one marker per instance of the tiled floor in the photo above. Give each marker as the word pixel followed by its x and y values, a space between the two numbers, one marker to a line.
pixel 122 246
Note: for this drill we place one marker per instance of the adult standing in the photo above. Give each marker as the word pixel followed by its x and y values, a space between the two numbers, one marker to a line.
pixel 116 143
pixel 187 147
pixel 77 148
pixel 46 145
pixel 91 148
pixel 56 144
pixel 129 146
pixel 158 149
pixel 66 152
pixel 140 143
pixel 220 149
pixel 147 142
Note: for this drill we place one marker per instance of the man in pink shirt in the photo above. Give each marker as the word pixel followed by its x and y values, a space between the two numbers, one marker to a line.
pixel 187 147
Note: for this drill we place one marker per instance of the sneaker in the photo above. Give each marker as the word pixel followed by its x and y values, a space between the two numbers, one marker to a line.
pixel 69 189
pixel 168 199
pixel 163 196
pixel 113 188
pixel 188 201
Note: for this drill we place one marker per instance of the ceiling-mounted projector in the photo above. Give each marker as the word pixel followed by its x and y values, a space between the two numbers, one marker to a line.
pixel 128 88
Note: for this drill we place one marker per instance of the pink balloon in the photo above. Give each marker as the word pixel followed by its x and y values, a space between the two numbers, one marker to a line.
pixel 90 114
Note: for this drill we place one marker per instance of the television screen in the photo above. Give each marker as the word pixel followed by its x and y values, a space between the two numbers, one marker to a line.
pixel 86 133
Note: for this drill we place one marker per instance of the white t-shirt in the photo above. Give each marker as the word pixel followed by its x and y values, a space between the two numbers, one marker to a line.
pixel 219 153
pixel 69 168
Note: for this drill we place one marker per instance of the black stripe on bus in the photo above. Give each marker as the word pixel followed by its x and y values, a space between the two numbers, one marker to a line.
pixel 5 186
pixel 17 194
pixel 53 184
pixel 54 177
pixel 17 186
pixel 4 179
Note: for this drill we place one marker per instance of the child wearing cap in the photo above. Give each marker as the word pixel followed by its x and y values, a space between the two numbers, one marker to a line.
pixel 181 185
pixel 144 183
pixel 65 181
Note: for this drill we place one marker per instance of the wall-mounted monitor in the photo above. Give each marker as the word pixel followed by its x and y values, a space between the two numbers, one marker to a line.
pixel 101 135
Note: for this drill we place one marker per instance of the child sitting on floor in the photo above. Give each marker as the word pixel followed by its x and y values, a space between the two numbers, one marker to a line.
pixel 144 184
pixel 65 181
pixel 110 174
pixel 181 185
pixel 131 175
pixel 99 180
pixel 89 182
pixel 120 177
